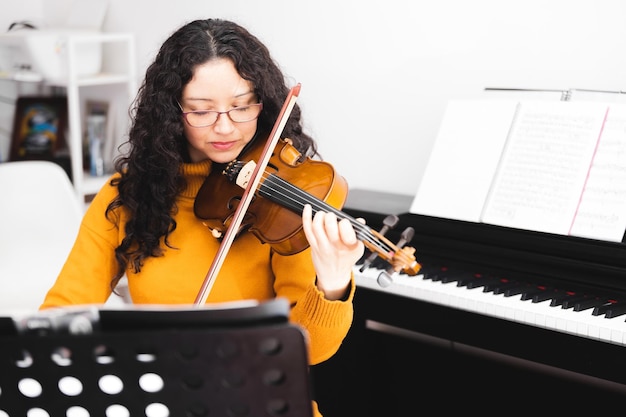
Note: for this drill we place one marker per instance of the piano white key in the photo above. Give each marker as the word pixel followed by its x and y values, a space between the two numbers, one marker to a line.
pixel 513 308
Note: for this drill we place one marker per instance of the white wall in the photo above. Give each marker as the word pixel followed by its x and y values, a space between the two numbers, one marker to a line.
pixel 376 75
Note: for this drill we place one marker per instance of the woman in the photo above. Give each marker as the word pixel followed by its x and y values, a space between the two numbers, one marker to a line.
pixel 212 89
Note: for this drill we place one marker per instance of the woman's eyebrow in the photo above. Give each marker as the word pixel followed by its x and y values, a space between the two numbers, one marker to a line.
pixel 211 99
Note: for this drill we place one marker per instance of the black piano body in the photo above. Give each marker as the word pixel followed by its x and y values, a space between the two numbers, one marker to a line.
pixel 404 355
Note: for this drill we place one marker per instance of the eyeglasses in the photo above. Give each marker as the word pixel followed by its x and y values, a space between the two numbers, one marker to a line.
pixel 205 118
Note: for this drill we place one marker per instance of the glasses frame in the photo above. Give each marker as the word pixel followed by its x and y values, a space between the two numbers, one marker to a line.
pixel 219 113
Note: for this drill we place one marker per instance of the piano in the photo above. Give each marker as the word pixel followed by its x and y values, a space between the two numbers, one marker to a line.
pixel 498 319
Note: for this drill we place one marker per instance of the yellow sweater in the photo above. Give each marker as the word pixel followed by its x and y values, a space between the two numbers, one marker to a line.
pixel 251 270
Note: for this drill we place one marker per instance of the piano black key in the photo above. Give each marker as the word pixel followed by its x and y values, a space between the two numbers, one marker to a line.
pixel 465 279
pixel 616 310
pixel 545 295
pixel 587 304
pixel 447 278
pixel 560 298
pixel 494 283
pixel 500 286
pixel 482 281
pixel 435 276
pixel 610 309
pixel 601 309
pixel 434 273
pixel 515 290
pixel 571 302
pixel 456 277
pixel 529 293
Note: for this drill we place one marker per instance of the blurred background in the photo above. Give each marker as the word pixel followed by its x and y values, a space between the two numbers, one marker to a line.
pixel 376 76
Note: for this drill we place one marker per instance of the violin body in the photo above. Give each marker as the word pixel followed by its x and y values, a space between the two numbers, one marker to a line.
pixel 275 213
pixel 268 198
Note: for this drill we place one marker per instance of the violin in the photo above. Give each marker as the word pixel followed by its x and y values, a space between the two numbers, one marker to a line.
pixel 275 191
pixel 274 216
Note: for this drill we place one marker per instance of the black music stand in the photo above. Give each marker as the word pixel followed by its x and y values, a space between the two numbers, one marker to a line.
pixel 227 361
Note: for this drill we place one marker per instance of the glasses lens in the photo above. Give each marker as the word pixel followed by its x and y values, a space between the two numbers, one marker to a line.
pixel 201 118
pixel 244 113
pixel 238 115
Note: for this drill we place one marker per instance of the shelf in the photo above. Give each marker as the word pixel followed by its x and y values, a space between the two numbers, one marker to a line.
pixel 84 183
pixel 22 76
pixel 74 78
pixel 97 79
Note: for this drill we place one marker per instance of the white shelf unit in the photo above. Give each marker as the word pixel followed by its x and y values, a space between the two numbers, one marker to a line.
pixel 84 183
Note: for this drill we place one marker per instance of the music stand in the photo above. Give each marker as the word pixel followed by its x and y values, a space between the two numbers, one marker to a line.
pixel 196 362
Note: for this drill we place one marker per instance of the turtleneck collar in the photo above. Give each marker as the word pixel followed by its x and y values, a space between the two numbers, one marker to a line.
pixel 195 174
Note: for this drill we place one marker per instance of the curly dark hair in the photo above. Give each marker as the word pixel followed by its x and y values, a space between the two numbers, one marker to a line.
pixel 150 171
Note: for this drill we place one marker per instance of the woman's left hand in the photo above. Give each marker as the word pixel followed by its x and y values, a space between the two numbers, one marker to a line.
pixel 335 250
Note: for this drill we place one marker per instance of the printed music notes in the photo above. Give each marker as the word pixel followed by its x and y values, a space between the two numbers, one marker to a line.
pixel 548 166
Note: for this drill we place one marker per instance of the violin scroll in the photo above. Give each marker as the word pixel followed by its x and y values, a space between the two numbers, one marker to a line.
pixel 398 256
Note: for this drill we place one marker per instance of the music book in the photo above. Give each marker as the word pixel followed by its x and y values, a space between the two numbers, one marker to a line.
pixel 547 166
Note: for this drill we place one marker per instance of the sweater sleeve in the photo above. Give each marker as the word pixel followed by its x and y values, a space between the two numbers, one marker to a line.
pixel 326 322
pixel 86 275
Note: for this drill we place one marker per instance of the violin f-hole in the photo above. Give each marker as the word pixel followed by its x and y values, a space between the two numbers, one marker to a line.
pixel 233 202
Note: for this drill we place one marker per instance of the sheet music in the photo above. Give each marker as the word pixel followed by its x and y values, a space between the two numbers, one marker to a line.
pixel 602 210
pixel 464 159
pixel 556 167
pixel 545 165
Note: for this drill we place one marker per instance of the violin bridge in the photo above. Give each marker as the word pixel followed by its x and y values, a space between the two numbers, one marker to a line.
pixel 245 173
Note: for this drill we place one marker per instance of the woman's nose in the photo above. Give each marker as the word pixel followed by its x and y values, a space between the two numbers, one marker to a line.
pixel 223 123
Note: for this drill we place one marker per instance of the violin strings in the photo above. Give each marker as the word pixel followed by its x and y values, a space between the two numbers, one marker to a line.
pixel 296 198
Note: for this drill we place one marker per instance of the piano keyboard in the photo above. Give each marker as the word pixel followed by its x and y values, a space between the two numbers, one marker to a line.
pixel 581 315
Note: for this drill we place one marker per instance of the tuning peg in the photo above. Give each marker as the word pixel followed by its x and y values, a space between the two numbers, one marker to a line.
pixel 388 223
pixel 385 278
pixel 406 237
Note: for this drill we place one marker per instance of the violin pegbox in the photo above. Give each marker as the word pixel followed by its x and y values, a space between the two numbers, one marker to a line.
pixel 400 258
pixel 388 223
